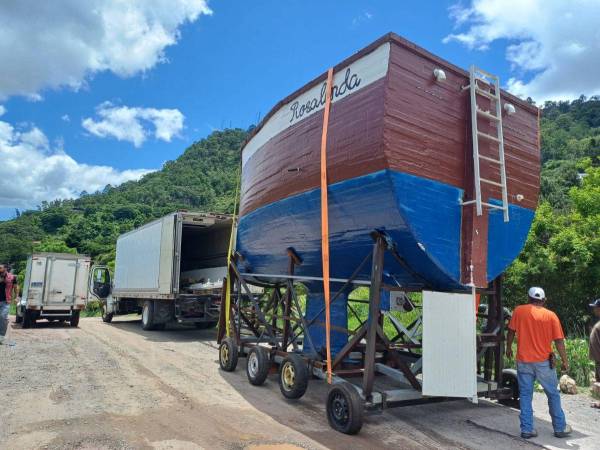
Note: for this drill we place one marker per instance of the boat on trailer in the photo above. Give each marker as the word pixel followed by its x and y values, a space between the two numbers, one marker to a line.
pixel 431 176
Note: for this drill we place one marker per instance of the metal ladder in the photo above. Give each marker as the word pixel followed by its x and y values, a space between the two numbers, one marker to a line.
pixel 477 75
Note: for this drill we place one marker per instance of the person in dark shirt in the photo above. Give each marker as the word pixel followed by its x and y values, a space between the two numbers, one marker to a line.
pixel 9 289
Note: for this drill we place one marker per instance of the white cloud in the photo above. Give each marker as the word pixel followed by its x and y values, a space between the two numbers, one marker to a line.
pixel 2 110
pixel 553 45
pixel 33 171
pixel 65 118
pixel 133 123
pixel 64 42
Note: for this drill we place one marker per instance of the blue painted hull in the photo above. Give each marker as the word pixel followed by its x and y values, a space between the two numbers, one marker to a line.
pixel 422 216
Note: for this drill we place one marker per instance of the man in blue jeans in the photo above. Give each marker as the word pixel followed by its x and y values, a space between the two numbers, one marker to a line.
pixel 536 328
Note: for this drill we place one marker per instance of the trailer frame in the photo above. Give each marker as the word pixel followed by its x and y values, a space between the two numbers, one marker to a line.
pixel 270 328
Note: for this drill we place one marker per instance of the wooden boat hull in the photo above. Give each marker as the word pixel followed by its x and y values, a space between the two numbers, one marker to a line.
pixel 399 159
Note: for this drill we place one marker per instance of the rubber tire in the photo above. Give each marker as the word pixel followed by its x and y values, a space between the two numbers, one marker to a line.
pixel 510 380
pixel 263 361
pixel 301 376
pixel 149 325
pixel 232 352
pixel 354 404
pixel 27 321
pixel 205 325
pixel 18 318
pixel 74 321
pixel 106 317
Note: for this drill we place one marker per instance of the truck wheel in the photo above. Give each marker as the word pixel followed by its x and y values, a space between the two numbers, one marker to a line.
pixel 228 355
pixel 106 316
pixel 258 364
pixel 205 325
pixel 344 409
pixel 148 315
pixel 74 321
pixel 18 318
pixel 293 376
pixel 27 320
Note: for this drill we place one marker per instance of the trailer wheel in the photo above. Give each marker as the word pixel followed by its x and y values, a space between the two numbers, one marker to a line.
pixel 18 318
pixel 228 355
pixel 28 322
pixel 344 409
pixel 258 364
pixel 148 315
pixel 106 316
pixel 293 376
pixel 510 380
pixel 74 319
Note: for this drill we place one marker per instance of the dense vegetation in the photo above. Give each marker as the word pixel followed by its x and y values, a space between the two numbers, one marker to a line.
pixel 562 253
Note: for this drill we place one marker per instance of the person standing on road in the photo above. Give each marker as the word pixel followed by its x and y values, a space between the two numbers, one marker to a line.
pixel 536 328
pixel 595 344
pixel 8 287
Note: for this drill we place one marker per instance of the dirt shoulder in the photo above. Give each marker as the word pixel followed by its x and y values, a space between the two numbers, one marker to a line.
pixel 116 386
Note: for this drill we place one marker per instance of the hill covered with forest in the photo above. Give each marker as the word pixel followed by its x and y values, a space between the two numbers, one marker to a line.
pixel 562 253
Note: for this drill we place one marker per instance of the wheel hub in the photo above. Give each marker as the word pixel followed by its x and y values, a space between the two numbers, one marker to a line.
pixel 289 376
pixel 340 408
pixel 253 364
pixel 224 354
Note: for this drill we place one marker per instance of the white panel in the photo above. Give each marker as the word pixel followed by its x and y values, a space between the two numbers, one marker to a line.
pixel 81 284
pixel 137 261
pixel 167 257
pixel 449 348
pixel 37 279
pixel 61 281
pixel 346 81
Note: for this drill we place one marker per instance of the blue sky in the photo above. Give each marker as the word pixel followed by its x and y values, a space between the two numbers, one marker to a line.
pixel 229 67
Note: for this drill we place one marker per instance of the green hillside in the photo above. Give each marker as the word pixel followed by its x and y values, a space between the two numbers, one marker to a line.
pixel 203 178
pixel 562 253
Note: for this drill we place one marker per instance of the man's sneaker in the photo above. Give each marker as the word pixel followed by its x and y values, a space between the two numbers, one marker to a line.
pixel 565 433
pixel 529 434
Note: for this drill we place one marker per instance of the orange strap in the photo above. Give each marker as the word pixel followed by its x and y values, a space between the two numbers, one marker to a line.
pixel 325 220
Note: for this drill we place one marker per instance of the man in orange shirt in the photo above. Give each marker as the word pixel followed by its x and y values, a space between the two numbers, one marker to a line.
pixel 536 328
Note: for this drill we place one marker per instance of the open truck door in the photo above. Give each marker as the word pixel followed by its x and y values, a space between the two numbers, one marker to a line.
pixel 100 286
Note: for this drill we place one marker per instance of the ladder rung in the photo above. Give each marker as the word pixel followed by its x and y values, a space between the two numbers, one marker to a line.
pixel 485 180
pixel 488 136
pixel 487 114
pixel 487 74
pixel 486 93
pixel 487 158
pixel 490 205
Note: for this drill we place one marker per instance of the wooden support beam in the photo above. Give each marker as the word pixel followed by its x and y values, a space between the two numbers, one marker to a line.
pixel 374 311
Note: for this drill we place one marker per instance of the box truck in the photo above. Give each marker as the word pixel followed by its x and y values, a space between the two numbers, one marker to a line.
pixel 55 288
pixel 171 269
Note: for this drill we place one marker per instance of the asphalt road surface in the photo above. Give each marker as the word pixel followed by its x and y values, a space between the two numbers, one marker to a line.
pixel 115 386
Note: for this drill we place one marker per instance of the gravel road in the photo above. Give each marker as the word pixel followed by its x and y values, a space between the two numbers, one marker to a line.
pixel 117 387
